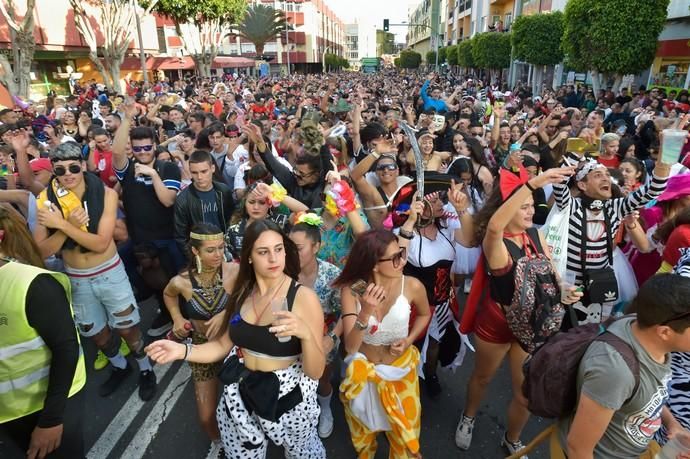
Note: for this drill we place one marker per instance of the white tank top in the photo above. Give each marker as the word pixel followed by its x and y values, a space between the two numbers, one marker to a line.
pixel 394 325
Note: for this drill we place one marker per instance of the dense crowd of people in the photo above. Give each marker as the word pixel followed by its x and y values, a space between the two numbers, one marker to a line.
pixel 384 224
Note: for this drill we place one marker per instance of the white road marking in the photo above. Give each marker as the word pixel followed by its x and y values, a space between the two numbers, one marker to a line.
pixel 117 427
pixel 156 417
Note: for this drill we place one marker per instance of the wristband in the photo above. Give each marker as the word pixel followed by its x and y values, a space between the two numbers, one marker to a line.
pixel 409 235
pixel 332 336
pixel 360 325
pixel 348 315
pixel 375 154
pixel 530 187
pixel 187 350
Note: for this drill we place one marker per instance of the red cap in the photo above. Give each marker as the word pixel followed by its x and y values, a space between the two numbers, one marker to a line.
pixel 40 164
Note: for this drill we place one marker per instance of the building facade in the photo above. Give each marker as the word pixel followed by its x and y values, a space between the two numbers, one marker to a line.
pixel 313 29
pixel 361 42
pixel 422 22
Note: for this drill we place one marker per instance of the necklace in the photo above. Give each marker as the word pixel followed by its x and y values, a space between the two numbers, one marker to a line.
pixel 209 287
pixel 275 292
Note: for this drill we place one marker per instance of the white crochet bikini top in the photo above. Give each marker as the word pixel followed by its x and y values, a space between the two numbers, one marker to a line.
pixel 394 325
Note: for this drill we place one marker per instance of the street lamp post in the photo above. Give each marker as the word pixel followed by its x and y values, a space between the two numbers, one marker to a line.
pixel 287 40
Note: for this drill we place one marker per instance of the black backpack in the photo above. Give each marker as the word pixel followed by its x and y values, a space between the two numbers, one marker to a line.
pixel 550 384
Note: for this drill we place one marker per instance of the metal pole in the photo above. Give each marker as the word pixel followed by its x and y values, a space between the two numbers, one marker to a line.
pixel 142 56
pixel 436 64
pixel 287 39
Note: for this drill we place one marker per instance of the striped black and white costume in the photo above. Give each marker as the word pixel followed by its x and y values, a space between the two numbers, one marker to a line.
pixel 596 244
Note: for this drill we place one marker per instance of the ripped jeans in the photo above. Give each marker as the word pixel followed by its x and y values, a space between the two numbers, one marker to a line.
pixel 100 297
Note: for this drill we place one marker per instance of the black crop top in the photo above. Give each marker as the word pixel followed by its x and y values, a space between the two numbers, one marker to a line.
pixel 258 339
pixel 502 281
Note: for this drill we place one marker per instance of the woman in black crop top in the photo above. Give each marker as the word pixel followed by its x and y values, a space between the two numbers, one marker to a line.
pixel 505 219
pixel 269 386
pixel 197 299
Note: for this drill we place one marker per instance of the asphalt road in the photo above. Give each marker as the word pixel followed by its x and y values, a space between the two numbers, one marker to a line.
pixel 121 426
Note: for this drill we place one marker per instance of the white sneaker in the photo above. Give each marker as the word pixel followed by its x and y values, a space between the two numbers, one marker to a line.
pixel 325 424
pixel 463 434
pixel 511 447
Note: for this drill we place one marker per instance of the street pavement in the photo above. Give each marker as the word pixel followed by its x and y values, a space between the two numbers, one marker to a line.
pixel 121 426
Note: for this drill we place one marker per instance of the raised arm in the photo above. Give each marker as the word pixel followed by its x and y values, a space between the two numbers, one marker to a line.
pixel 20 142
pixel 494 249
pixel 121 139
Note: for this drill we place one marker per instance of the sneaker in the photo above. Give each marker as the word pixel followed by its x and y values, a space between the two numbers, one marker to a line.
pixel 463 434
pixel 325 424
pixel 147 385
pixel 511 447
pixel 102 361
pixel 468 285
pixel 117 376
pixel 433 386
pixel 160 325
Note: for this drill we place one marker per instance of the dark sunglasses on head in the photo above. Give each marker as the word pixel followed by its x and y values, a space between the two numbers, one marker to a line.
pixel 62 170
pixel 140 148
pixel 397 258
pixel 387 167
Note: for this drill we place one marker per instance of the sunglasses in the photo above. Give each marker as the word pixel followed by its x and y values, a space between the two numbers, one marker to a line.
pixel 397 258
pixel 299 175
pixel 62 170
pixel 684 315
pixel 141 148
pixel 387 167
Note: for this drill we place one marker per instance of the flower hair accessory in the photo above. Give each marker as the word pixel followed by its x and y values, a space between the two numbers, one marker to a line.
pixel 277 194
pixel 310 219
pixel 343 197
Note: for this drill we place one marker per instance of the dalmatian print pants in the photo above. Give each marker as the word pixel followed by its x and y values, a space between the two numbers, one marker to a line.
pixel 246 436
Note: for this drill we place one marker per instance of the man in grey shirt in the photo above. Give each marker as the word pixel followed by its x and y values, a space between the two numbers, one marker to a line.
pixel 613 420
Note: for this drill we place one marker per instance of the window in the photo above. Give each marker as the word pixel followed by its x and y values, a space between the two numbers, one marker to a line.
pixel 508 20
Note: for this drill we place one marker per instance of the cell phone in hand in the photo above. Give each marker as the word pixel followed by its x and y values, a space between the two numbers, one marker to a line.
pixel 359 287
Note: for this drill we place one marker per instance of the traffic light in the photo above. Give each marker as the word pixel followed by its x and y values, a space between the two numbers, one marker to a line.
pixel 385 25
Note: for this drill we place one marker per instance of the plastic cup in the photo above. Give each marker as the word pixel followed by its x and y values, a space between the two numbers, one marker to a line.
pixel 679 444
pixel 567 283
pixel 672 144
pixel 280 304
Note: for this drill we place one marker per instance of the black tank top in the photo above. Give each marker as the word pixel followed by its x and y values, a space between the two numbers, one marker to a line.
pixel 258 339
pixel 502 285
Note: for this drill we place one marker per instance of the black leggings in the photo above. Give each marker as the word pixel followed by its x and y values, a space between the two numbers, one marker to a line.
pixel 72 444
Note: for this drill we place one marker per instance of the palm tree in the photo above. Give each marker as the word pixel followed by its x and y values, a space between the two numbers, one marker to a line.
pixel 261 24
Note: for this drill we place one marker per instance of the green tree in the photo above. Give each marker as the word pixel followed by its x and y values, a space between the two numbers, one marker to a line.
pixel 410 59
pixel 396 62
pixel 491 50
pixel 464 52
pixel 612 37
pixel 116 21
pixel 261 24
pixel 452 55
pixel 430 57
pixel 441 55
pixel 537 38
pixel 202 25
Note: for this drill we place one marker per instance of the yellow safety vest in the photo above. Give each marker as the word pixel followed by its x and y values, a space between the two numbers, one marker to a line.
pixel 24 356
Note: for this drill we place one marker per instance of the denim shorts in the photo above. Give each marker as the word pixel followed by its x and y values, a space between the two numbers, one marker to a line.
pixel 99 294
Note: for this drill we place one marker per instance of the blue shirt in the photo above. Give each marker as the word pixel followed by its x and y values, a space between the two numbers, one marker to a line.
pixel 429 102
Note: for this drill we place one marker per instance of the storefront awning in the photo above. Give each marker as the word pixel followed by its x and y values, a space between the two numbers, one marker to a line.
pixel 220 62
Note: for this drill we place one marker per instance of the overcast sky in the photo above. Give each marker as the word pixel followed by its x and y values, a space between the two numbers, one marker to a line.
pixel 374 12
